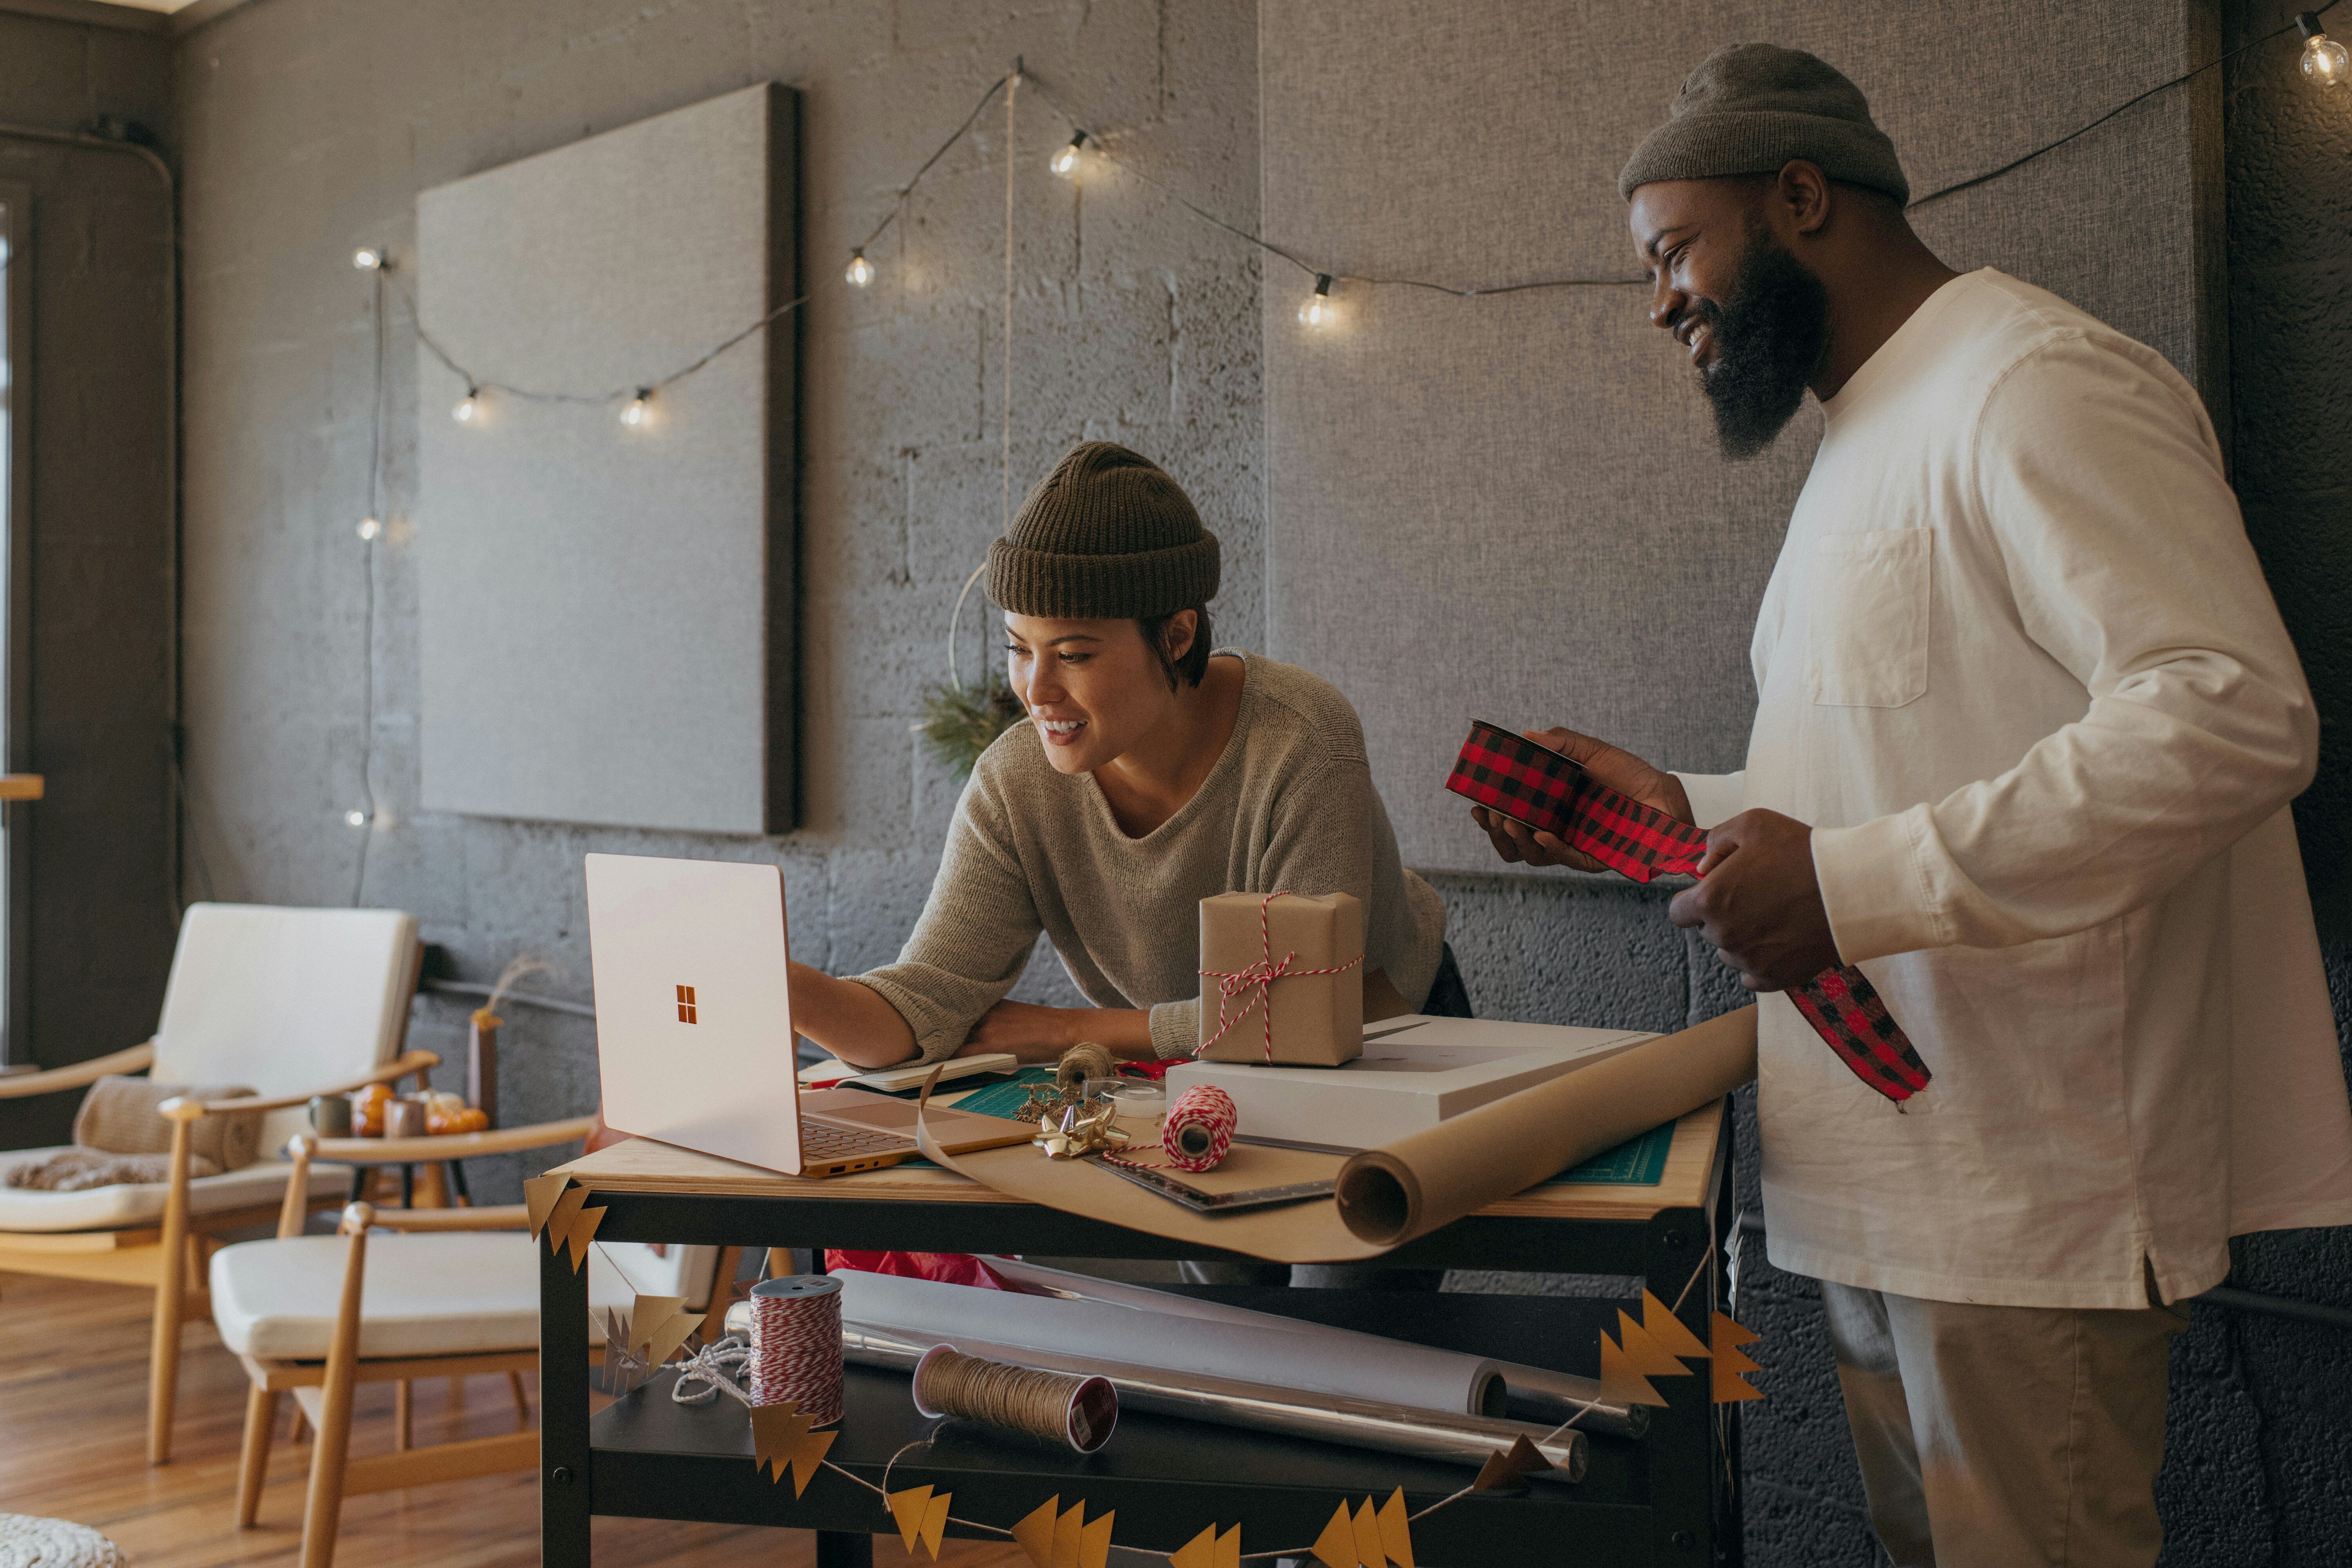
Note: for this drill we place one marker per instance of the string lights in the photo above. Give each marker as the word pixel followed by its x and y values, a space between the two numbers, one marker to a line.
pixel 1318 310
pixel 2324 61
pixel 369 528
pixel 367 258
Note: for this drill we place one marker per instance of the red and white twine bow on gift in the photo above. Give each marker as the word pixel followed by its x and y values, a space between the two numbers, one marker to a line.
pixel 1256 982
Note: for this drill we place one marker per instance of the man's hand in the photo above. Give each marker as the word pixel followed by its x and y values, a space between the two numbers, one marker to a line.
pixel 1621 771
pixel 1759 903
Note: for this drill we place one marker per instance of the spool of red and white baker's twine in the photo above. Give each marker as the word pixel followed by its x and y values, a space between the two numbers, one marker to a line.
pixel 796 1344
pixel 1198 1133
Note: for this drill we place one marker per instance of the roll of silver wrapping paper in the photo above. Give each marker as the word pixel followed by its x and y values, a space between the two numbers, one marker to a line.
pixel 1299 1413
pixel 1550 1397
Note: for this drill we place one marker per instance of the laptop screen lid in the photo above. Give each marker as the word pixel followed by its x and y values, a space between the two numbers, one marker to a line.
pixel 694 1019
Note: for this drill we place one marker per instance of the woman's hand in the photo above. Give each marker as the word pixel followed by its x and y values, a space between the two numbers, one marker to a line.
pixel 1034 1034
pixel 1619 770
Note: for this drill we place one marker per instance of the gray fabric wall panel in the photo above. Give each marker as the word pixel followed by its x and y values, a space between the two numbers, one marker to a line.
pixel 596 601
pixel 1511 508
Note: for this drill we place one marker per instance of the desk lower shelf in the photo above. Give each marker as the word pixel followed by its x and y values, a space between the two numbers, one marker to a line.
pixel 1168 1479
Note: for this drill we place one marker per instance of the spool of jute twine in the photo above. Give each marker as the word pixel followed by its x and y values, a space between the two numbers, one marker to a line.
pixel 1053 1406
pixel 1080 1062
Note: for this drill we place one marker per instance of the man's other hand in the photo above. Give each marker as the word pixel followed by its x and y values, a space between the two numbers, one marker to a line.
pixel 1759 903
pixel 1619 770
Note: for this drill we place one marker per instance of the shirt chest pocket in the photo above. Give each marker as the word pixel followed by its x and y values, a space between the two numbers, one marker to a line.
pixel 1867 647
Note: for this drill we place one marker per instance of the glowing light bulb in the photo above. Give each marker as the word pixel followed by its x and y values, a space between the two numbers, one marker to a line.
pixel 465 412
pixel 634 413
pixel 861 271
pixel 1318 310
pixel 369 528
pixel 1065 160
pixel 367 258
pixel 355 820
pixel 2325 61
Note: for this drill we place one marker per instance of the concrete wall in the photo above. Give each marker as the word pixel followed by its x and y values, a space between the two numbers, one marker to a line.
pixel 93 910
pixel 307 127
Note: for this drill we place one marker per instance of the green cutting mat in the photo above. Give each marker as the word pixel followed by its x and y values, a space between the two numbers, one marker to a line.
pixel 1640 1163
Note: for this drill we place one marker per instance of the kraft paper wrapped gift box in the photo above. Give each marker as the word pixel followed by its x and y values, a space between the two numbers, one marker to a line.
pixel 1262 952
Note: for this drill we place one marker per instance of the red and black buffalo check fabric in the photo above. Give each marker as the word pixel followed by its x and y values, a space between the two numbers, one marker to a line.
pixel 1534 785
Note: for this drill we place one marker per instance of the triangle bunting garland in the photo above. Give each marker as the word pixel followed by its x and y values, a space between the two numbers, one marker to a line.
pixel 1503 1469
pixel 557 1211
pixel 780 1440
pixel 1055 1538
pixel 1660 1323
pixel 1367 1537
pixel 922 1517
pixel 1210 1549
pixel 1730 1364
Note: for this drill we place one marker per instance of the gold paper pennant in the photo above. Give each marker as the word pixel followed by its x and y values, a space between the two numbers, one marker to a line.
pixel 1034 1533
pixel 1501 1469
pixel 539 1195
pixel 1645 1354
pixel 1621 1382
pixel 1094 1541
pixel 1660 1324
pixel 1065 1536
pixel 1210 1549
pixel 558 1223
pixel 1367 1524
pixel 647 1314
pixel 1396 1527
pixel 1336 1547
pixel 922 1517
pixel 1728 1387
pixel 781 1438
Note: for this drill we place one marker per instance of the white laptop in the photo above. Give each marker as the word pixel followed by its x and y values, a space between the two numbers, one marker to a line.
pixel 694 1027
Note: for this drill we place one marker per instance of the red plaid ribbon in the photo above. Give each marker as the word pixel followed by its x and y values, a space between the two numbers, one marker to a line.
pixel 1534 785
pixel 1256 982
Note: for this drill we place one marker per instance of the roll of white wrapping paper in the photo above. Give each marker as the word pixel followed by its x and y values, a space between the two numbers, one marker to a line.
pixel 1558 1394
pixel 1387 1370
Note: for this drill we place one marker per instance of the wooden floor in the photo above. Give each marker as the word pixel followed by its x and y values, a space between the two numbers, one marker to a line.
pixel 73 1398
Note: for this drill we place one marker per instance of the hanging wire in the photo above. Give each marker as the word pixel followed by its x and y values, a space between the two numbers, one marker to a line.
pixel 1248 237
pixel 367 625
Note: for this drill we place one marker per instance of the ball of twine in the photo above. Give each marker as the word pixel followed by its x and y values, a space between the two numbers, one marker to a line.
pixel 29 1542
pixel 1053 1406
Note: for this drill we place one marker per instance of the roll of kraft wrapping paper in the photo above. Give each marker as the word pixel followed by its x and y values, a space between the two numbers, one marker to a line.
pixel 1560 1395
pixel 1531 783
pixel 1403 1375
pixel 1391 1195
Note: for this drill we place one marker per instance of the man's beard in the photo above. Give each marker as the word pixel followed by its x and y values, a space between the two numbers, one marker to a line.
pixel 1768 340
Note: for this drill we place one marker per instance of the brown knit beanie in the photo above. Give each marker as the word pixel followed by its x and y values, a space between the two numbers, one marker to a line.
pixel 1750 109
pixel 1106 536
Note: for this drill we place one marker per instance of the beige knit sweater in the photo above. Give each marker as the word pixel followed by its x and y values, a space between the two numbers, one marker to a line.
pixel 1289 805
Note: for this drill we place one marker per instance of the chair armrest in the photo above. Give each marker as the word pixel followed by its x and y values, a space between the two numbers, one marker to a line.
pixel 506 1216
pixel 81 1075
pixel 448 1145
pixel 189 1110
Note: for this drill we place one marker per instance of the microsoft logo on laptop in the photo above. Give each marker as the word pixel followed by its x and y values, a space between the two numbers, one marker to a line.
pixel 686 1004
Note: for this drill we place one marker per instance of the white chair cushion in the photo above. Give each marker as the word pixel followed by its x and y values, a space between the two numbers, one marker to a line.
pixel 131 1203
pixel 450 1294
pixel 284 999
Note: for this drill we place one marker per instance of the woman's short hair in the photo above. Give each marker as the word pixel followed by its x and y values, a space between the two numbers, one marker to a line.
pixel 1193 667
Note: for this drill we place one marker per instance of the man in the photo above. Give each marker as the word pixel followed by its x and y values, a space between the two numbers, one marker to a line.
pixel 2027 727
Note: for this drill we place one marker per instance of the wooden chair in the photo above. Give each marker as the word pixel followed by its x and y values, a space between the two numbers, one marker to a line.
pixel 294 1003
pixel 452 1292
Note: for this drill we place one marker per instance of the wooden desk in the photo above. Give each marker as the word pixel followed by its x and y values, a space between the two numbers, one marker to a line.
pixel 1664 1499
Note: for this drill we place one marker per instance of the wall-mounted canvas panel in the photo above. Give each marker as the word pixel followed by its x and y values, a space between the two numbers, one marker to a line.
pixel 1512 507
pixel 606 609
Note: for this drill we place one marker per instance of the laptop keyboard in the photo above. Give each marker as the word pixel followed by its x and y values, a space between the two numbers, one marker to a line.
pixel 823 1140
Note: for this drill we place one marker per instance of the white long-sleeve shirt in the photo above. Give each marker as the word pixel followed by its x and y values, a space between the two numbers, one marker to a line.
pixel 2019 667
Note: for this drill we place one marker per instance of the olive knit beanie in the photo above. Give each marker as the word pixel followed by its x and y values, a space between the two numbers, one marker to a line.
pixel 1750 109
pixel 1106 536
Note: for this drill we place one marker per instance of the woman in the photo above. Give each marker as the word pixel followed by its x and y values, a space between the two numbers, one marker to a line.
pixel 1151 775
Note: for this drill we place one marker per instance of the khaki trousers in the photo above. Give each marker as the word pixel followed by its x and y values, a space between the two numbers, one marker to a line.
pixel 2005 1436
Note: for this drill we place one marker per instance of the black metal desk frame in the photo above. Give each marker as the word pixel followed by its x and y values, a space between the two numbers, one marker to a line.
pixel 1673 1502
